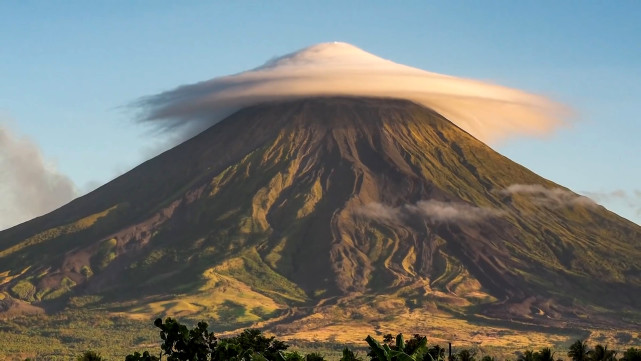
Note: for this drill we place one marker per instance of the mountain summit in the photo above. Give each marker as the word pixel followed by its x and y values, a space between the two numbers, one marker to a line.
pixel 326 211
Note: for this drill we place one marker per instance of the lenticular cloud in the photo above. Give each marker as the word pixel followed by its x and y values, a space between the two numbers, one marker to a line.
pixel 487 111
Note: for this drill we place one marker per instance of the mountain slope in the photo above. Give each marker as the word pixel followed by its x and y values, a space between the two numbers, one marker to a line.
pixel 320 206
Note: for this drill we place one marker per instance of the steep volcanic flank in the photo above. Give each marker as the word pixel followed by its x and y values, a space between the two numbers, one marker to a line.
pixel 375 204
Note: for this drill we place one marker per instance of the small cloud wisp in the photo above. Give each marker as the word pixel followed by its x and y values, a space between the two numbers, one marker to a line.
pixel 433 210
pixel 551 197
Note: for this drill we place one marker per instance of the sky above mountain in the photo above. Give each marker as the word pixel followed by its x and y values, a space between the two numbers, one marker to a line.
pixel 72 71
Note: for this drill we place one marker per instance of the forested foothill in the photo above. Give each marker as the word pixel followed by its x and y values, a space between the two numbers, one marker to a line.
pixel 179 343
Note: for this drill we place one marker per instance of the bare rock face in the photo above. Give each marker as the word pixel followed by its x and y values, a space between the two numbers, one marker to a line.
pixel 290 209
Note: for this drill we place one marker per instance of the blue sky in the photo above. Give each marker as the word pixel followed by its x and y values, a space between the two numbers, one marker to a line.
pixel 69 70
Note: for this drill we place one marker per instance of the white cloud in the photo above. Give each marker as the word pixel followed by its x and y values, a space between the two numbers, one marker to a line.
pixel 452 212
pixel 29 186
pixel 630 199
pixel 548 196
pixel 618 194
pixel 487 111
pixel 379 211
pixel 433 210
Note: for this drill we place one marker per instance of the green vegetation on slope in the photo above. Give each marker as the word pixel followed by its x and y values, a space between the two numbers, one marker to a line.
pixel 179 343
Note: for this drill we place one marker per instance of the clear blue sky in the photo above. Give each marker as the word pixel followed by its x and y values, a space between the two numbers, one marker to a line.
pixel 67 69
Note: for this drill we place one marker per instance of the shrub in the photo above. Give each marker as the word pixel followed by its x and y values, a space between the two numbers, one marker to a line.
pixel 90 356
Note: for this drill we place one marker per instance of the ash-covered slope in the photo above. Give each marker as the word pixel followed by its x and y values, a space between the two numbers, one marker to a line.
pixel 323 201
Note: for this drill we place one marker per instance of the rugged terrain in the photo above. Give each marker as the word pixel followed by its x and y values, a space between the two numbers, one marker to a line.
pixel 322 217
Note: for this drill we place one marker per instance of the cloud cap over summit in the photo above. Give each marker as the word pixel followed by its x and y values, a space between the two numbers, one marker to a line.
pixel 489 112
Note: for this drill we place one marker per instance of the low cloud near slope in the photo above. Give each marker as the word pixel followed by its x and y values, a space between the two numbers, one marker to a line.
pixel 29 185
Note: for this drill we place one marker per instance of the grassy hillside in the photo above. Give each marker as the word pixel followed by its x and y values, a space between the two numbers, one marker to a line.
pixel 303 217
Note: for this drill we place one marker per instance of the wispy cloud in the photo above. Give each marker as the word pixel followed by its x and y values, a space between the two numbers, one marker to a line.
pixel 448 211
pixel 29 185
pixel 618 194
pixel 554 197
pixel 436 211
pixel 631 199
pixel 488 111
pixel 379 211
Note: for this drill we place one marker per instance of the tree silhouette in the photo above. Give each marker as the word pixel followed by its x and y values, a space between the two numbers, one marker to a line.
pixel 294 356
pixel 579 351
pixel 601 353
pixel 182 344
pixel 528 355
pixel 348 355
pixel 545 354
pixel 198 344
pixel 632 354
pixel 314 356
pixel 247 343
pixel 90 356
pixel 146 356
pixel 396 352
pixel 435 353
pixel 465 355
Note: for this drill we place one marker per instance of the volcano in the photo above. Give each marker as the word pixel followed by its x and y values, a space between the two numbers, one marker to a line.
pixel 326 211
